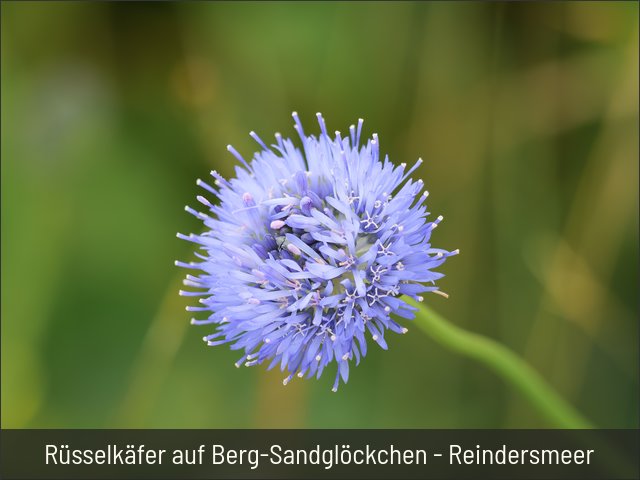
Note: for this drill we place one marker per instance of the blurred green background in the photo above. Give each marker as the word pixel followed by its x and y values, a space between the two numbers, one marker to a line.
pixel 526 115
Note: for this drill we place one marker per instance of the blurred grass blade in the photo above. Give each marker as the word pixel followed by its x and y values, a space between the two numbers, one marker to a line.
pixel 157 354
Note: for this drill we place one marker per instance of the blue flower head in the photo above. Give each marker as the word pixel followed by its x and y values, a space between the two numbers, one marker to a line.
pixel 309 251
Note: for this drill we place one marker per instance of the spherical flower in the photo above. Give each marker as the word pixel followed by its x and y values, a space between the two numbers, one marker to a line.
pixel 309 252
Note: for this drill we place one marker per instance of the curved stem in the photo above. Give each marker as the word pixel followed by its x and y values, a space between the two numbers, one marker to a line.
pixel 505 363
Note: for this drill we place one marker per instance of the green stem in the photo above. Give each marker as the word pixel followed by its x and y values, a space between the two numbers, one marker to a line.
pixel 505 363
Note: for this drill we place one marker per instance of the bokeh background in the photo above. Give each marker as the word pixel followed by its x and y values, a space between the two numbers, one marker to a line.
pixel 526 115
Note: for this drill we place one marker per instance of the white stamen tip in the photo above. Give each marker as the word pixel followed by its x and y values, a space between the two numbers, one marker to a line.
pixel 334 389
pixel 205 339
pixel 420 298
pixel 237 364
pixel 285 381
pixel 405 330
pixel 425 194
pixel 375 338
pixel 318 358
pixel 400 228
pixel 300 374
pixel 403 165
pixel 387 309
pixel 293 249
pixel 333 338
pixel 455 252
pixel 345 356
pixel 267 340
pixel 440 218
pixel 193 321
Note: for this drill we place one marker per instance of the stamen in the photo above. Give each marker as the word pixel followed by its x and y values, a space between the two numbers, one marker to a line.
pixel 323 127
pixel 359 130
pixel 235 153
pixel 206 186
pixel 247 199
pixel 298 125
pixel 253 135
pixel 369 221
pixel 352 134
pixel 375 147
pixel 293 249
pixel 204 201
pixel 442 294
